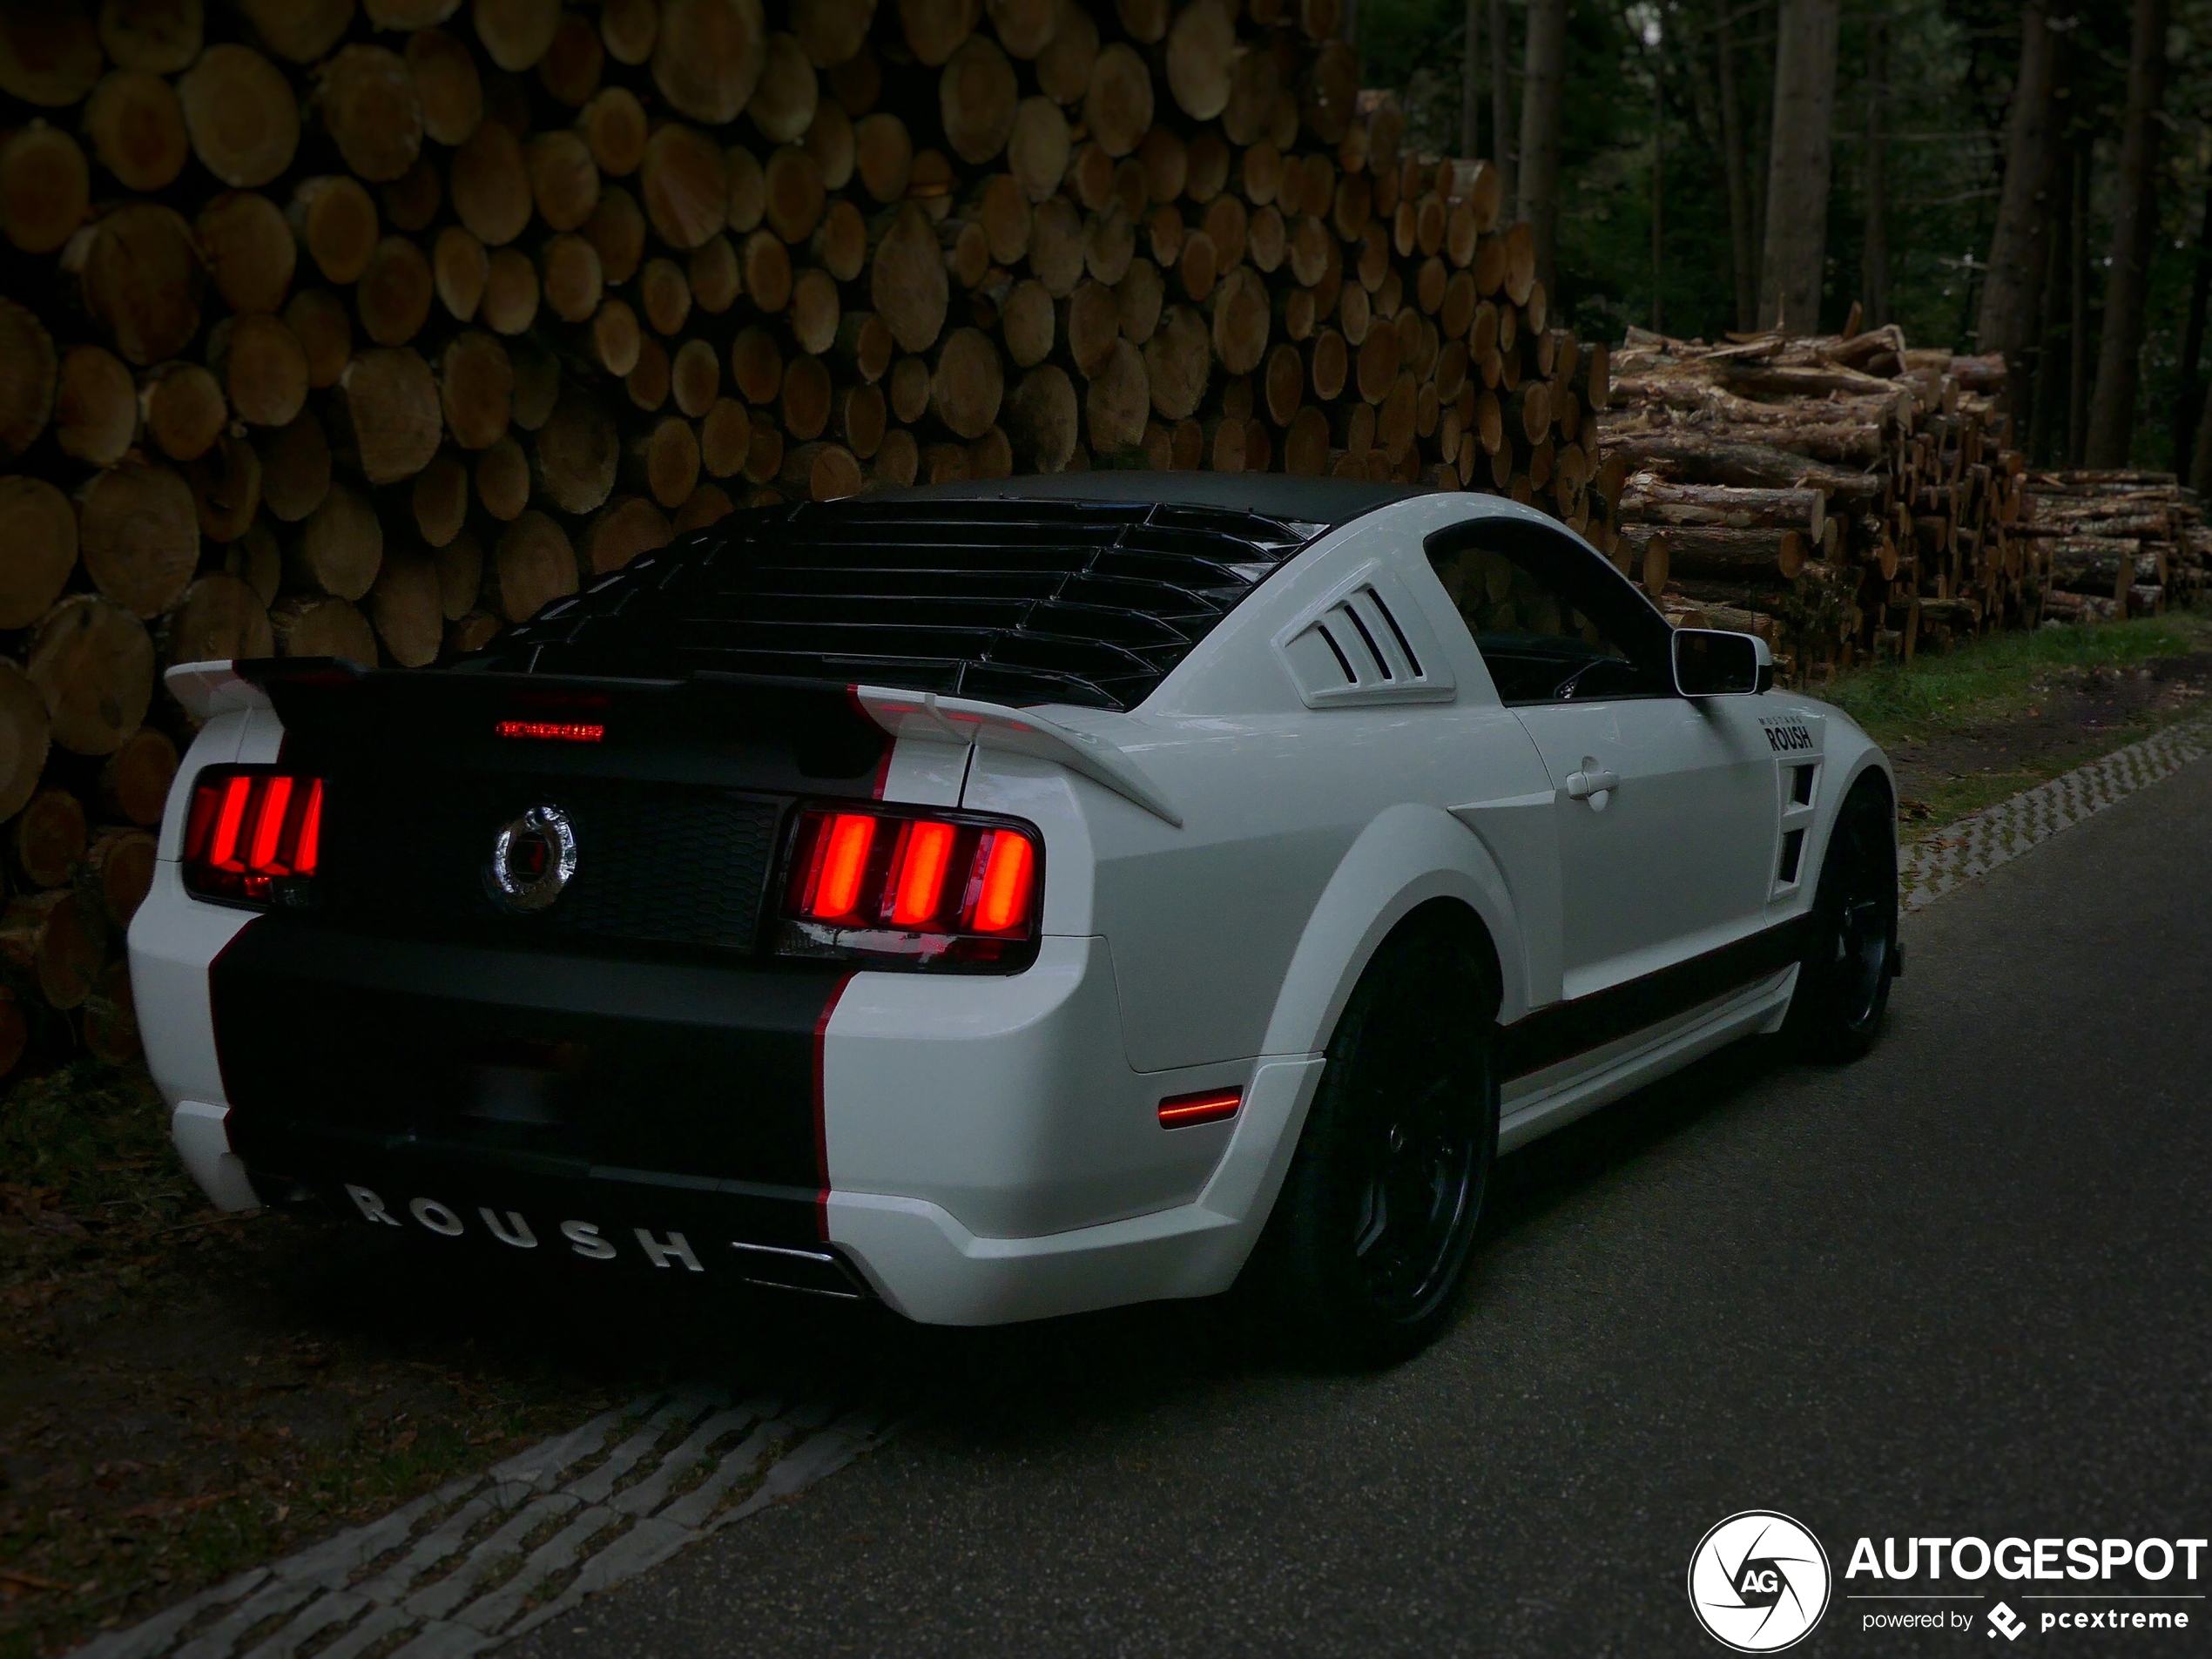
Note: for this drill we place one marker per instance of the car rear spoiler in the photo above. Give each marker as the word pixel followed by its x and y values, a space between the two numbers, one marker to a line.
pixel 929 718
pixel 212 688
pixel 209 689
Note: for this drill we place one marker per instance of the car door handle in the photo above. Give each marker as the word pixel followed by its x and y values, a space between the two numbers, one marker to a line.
pixel 1581 785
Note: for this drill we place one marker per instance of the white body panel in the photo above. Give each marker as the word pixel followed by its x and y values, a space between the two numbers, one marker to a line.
pixel 1220 865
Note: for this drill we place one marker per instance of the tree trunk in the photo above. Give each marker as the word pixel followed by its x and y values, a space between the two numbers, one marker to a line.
pixel 2018 256
pixel 2200 456
pixel 1874 260
pixel 2189 389
pixel 1501 127
pixel 1471 83
pixel 1739 202
pixel 1796 211
pixel 2134 222
pixel 1542 95
pixel 1658 185
pixel 2046 431
pixel 2077 395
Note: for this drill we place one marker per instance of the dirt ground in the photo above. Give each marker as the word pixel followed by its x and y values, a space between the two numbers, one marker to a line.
pixel 2079 715
pixel 183 1395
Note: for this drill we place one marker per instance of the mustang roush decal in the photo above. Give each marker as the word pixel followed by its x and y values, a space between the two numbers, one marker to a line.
pixel 1788 735
pixel 512 1228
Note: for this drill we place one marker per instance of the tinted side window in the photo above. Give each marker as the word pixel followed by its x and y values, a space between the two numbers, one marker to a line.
pixel 1553 621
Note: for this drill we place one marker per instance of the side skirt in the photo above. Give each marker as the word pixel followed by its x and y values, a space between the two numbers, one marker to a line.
pixel 1569 1058
pixel 1552 1099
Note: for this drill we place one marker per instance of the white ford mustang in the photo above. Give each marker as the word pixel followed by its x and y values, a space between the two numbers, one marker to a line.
pixel 1006 899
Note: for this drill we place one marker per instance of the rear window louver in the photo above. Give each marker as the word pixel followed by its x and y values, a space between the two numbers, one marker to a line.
pixel 1366 642
pixel 1019 602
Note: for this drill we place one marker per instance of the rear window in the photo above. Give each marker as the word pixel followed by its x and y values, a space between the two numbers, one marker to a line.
pixel 1007 601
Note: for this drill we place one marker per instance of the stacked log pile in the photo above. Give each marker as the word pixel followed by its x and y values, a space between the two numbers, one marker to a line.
pixel 2116 543
pixel 1844 497
pixel 368 333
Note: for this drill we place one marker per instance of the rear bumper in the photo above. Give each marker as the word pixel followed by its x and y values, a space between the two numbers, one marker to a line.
pixel 971 1149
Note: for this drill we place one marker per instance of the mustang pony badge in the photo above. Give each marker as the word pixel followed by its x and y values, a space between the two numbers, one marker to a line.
pixel 533 857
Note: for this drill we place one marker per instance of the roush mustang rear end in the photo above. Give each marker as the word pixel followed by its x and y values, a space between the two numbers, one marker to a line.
pixel 1007 899
pixel 660 936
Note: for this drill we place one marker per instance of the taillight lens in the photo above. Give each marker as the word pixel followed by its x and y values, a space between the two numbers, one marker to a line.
pixel 253 835
pixel 912 890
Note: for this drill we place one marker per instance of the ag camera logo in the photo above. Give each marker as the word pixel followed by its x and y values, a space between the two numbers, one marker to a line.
pixel 1758 1582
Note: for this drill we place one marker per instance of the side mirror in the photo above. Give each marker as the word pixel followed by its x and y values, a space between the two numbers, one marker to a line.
pixel 1713 662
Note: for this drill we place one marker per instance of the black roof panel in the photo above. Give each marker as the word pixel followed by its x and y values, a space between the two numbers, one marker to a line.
pixel 1083 588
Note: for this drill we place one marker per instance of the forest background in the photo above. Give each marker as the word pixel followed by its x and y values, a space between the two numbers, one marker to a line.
pixel 2033 179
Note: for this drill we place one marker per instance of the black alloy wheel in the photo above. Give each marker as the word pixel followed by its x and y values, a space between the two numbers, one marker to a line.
pixel 1370 1238
pixel 1845 978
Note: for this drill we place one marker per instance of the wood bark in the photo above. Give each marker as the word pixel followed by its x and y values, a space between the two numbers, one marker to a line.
pixel 1542 106
pixel 2010 295
pixel 2134 225
pixel 1797 172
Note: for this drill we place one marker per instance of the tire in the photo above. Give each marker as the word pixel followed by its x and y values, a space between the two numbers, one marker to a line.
pixel 1406 1111
pixel 1843 978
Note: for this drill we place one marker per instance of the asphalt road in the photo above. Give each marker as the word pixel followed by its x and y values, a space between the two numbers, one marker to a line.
pixel 1958 1288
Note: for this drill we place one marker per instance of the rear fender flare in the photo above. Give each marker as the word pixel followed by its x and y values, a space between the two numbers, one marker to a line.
pixel 1407 857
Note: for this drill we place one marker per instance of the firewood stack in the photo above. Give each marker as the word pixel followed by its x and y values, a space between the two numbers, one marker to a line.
pixel 367 334
pixel 1843 496
pixel 2116 543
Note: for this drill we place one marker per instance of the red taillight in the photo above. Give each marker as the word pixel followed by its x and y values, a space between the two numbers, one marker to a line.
pixel 924 856
pixel 248 831
pixel 1209 1106
pixel 840 864
pixel 915 888
pixel 1002 893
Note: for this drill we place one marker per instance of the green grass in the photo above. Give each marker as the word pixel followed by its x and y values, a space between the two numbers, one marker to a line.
pixel 2007 680
pixel 2005 674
